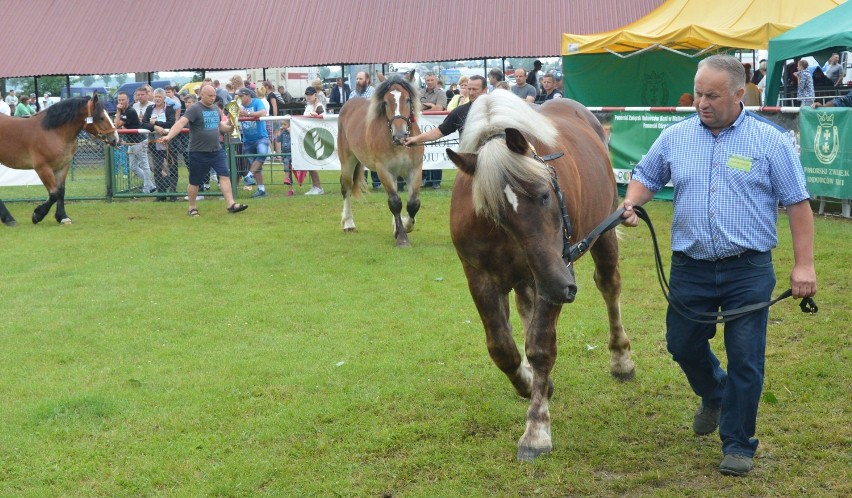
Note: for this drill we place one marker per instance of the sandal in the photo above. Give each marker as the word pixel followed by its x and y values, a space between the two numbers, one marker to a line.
pixel 236 208
pixel 193 213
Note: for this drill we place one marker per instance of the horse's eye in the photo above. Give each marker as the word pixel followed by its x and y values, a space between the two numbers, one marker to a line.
pixel 545 198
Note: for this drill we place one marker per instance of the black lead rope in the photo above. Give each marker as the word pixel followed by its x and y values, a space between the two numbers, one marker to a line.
pixel 808 305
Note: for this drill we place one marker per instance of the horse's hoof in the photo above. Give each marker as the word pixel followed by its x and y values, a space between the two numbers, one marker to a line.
pixel 65 221
pixel 530 454
pixel 349 229
pixel 36 219
pixel 403 243
pixel 624 376
pixel 10 223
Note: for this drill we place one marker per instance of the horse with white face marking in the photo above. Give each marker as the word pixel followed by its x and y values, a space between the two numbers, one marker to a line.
pixel 371 133
pixel 507 226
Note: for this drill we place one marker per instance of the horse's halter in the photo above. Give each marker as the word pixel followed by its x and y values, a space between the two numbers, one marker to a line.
pixel 90 123
pixel 567 227
pixel 408 120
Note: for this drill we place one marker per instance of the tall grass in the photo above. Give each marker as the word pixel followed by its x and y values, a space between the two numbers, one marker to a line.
pixel 146 353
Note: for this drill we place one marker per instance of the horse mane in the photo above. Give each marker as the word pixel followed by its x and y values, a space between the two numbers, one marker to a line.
pixel 66 111
pixel 496 165
pixel 377 100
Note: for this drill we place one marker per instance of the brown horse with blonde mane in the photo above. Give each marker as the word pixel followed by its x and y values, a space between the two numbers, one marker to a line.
pixel 507 226
pixel 46 143
pixel 371 133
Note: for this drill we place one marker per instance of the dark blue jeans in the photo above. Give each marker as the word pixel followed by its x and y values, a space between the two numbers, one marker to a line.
pixel 709 286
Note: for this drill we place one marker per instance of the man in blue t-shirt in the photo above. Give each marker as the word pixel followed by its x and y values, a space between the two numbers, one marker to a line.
pixel 255 138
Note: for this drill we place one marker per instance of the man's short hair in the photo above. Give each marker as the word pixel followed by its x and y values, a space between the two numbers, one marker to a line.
pixel 479 78
pixel 496 74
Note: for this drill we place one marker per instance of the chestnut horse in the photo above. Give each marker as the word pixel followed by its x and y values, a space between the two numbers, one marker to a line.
pixel 507 226
pixel 46 143
pixel 371 133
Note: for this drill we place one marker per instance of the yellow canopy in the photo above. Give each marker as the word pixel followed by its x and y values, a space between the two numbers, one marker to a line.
pixel 698 25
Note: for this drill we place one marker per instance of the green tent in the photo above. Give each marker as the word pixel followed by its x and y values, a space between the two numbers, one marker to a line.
pixel 826 33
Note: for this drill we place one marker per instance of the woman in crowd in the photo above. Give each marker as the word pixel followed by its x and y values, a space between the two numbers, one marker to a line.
pixel 315 109
pixel 806 84
pixel 158 119
pixel 23 108
pixel 461 97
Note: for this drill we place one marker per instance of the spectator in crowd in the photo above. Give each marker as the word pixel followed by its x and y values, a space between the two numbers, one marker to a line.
pixel 12 99
pixel 751 97
pixel 806 84
pixel 760 73
pixel 461 98
pixel 455 120
pixel 843 101
pixel 523 89
pixel 548 84
pixel 36 107
pixel 501 85
pixel 273 100
pixel 494 76
pixel 433 97
pixel 790 72
pixel 363 87
pixel 722 252
pixel 322 98
pixel 285 95
pixel 287 160
pixel 158 119
pixel 534 76
pixel 173 101
pixel 685 100
pixel 4 108
pixel 255 138
pixel 453 91
pixel 126 118
pixel 207 122
pixel 340 92
pixel 182 140
pixel 834 70
pixel 315 109
pixel 23 108
pixel 820 79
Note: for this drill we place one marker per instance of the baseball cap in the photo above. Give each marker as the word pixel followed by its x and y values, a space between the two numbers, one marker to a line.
pixel 310 90
pixel 244 91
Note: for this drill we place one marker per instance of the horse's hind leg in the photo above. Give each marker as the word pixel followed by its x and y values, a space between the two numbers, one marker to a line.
pixel 6 217
pixel 608 280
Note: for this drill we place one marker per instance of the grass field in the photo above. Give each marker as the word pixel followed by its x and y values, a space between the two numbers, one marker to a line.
pixel 145 353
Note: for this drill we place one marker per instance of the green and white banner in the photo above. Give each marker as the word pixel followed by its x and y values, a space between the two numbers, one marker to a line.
pixel 313 143
pixel 825 138
pixel 631 135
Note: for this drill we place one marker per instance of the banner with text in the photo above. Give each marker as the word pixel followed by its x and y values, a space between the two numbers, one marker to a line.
pixel 825 139
pixel 631 135
pixel 314 143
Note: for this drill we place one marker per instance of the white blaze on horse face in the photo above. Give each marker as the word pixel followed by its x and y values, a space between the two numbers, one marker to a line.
pixel 511 197
pixel 396 96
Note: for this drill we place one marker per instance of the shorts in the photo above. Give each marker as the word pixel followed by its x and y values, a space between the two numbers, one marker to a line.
pixel 200 164
pixel 259 146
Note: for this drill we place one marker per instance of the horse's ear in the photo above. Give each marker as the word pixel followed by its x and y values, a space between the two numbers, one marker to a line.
pixel 464 161
pixel 94 97
pixel 516 142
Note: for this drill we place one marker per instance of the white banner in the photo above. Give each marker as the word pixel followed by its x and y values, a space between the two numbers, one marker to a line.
pixel 16 177
pixel 314 143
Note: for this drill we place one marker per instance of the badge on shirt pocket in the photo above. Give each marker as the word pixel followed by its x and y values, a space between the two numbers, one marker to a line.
pixel 741 163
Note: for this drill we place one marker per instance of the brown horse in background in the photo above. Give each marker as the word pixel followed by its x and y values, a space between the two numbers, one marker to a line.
pixel 370 134
pixel 507 227
pixel 46 143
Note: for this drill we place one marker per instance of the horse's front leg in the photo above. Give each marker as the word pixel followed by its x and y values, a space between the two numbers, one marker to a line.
pixel 608 281
pixel 60 215
pixel 395 206
pixel 540 349
pixel 413 204
pixel 6 217
pixel 493 307
pixel 347 185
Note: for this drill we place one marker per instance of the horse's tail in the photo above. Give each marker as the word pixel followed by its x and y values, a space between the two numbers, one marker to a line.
pixel 359 181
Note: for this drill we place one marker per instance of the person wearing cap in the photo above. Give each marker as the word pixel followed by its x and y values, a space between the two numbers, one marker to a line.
pixel 34 104
pixel 314 109
pixel 255 138
pixel 207 122
pixel 548 84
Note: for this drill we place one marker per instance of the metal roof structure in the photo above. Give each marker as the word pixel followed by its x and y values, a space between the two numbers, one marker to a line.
pixel 58 37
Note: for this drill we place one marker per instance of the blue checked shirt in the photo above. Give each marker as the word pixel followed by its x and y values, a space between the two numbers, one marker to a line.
pixel 726 188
